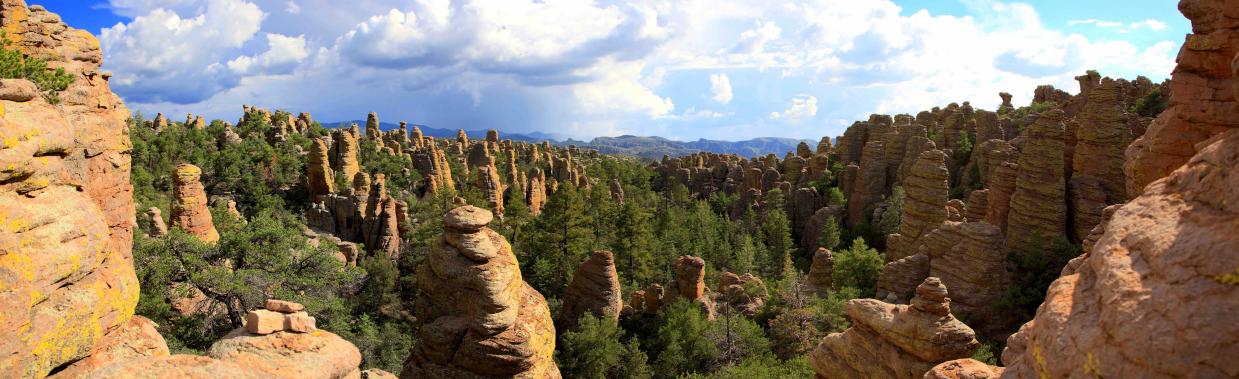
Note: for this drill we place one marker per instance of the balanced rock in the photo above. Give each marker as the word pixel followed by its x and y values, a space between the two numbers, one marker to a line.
pixel 895 341
pixel 594 289
pixel 480 318
pixel 155 218
pixel 189 204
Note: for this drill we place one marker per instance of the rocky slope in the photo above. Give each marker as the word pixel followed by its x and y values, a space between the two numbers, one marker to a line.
pixel 65 202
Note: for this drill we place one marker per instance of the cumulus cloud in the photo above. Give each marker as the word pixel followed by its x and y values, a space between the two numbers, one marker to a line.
pixel 600 68
pixel 720 87
pixel 803 107
pixel 162 56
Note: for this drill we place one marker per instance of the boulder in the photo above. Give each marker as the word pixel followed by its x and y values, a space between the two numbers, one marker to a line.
pixel 594 289
pixel 319 354
pixel 895 341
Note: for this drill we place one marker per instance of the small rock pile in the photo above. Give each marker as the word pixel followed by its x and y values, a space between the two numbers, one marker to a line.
pixel 279 316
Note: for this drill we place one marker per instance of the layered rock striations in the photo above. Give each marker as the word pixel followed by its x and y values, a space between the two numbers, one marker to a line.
pixel 1038 210
pixel 1202 103
pixel 594 289
pixel 480 319
pixel 927 191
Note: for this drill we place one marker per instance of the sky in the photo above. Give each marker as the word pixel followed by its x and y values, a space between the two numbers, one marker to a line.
pixel 690 69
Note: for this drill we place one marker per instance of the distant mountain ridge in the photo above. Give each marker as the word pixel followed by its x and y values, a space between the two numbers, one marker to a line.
pixel 641 146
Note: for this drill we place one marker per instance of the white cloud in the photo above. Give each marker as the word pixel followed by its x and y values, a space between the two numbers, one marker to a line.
pixel 579 68
pixel 283 53
pixel 162 56
pixel 803 107
pixel 720 87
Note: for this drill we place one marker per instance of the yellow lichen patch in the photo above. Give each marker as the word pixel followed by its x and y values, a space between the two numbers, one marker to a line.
pixel 1 109
pixel 1229 279
pixel 1039 359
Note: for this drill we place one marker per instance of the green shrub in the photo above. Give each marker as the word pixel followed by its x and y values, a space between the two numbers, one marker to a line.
pixel 858 266
pixel 15 65
pixel 1152 104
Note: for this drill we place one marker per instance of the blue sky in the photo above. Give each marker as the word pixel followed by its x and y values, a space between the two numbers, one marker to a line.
pixel 680 69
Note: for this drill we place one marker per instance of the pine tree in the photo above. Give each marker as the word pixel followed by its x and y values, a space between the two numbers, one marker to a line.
pixel 777 236
pixel 830 236
pixel 632 243
pixel 558 241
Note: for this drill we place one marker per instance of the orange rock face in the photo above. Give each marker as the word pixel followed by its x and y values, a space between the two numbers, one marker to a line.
pixel 1163 271
pixel 480 317
pixel 189 205
pixel 1202 102
pixel 66 203
pixel 319 354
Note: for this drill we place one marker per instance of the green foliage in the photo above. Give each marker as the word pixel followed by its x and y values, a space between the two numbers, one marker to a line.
pixel 893 215
pixel 830 234
pixel 858 267
pixel 1032 272
pixel 681 345
pixel 557 241
pixel 763 367
pixel 776 234
pixel 634 238
pixel 985 354
pixel 736 338
pixel 835 197
pixel 1153 103
pixel 595 351
pixel 15 65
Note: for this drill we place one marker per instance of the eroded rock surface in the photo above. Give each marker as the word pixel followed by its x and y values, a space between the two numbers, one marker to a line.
pixel 595 289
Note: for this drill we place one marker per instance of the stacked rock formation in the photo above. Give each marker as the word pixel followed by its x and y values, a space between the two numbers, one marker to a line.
pixel 319 176
pixel 155 218
pixel 821 272
pixel 279 316
pixel 870 184
pixel 189 204
pixel 617 191
pixel 895 341
pixel 1201 102
pixel 379 228
pixel 432 163
pixel 488 182
pixel 745 294
pixel 343 152
pixel 690 284
pixel 927 192
pixel 480 317
pixel 537 191
pixel 595 289
pixel 1038 211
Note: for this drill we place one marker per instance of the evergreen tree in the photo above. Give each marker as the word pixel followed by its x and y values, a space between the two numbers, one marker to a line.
pixel 858 267
pixel 777 236
pixel 681 343
pixel 557 241
pixel 632 243
pixel 594 351
pixel 830 236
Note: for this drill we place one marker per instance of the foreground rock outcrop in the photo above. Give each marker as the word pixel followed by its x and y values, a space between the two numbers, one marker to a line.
pixel 1164 270
pixel 895 341
pixel 480 318
pixel 66 202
